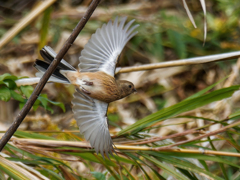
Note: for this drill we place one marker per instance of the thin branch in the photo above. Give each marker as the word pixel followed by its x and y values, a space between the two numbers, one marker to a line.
pixel 47 74
pixel 182 62
pixel 154 139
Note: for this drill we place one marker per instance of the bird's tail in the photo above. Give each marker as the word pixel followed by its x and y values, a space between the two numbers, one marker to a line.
pixel 48 55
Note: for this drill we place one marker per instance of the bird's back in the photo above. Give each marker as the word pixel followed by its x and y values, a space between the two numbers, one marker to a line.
pixel 104 88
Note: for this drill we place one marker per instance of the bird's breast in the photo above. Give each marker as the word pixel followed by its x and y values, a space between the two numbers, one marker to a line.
pixel 100 85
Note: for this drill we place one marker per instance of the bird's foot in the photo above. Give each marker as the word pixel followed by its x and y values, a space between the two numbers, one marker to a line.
pixel 85 91
pixel 88 83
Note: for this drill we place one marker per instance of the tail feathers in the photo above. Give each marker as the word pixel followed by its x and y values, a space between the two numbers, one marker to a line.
pixel 49 54
pixel 42 66
pixel 52 79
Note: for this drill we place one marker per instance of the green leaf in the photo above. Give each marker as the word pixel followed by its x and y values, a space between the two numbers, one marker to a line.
pixel 91 157
pixel 27 161
pixel 36 104
pixel 235 115
pixel 200 157
pixel 32 135
pixel 5 94
pixel 183 164
pixel 123 177
pixel 165 167
pixel 44 100
pixel 9 83
pixel 125 160
pixel 137 160
pixel 6 166
pixel 220 164
pixel 49 109
pixel 144 162
pixel 21 105
pixel 178 108
pixel 98 175
pixel 187 174
pixel 130 176
pixel 61 105
pixel 106 165
pixel 53 174
pixel 206 89
pixel 204 164
pixel 7 76
pixel 23 153
pixel 17 96
pixel 2 175
pixel 26 90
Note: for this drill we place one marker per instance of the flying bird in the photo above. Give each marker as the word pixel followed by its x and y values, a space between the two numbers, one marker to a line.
pixel 95 84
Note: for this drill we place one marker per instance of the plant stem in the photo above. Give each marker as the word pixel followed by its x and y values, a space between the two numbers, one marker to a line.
pixel 220 164
pixel 182 62
pixel 201 136
pixel 51 145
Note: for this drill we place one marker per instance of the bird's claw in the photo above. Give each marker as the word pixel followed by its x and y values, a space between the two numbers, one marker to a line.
pixel 85 91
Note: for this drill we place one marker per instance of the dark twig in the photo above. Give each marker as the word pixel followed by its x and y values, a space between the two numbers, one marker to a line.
pixel 154 139
pixel 48 73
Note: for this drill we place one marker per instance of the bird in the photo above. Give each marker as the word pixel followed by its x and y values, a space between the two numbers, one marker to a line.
pixel 95 83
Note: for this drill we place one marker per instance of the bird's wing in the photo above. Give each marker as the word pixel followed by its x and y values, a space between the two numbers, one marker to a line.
pixel 102 51
pixel 91 118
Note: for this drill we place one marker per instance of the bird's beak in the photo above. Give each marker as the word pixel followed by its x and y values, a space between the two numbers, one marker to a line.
pixel 134 90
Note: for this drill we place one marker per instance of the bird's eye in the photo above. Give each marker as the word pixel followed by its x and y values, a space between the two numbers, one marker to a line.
pixel 130 86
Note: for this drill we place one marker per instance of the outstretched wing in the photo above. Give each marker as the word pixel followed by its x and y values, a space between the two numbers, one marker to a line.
pixel 91 118
pixel 102 51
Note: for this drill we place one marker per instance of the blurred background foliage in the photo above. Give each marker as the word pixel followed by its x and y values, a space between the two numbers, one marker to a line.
pixel 159 109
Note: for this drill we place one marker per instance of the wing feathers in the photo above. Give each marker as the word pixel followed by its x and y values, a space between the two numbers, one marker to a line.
pixel 90 115
pixel 105 46
pixel 122 22
pixel 101 53
pixel 98 51
pixel 102 41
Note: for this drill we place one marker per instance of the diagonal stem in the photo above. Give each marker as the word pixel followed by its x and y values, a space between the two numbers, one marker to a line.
pixel 47 74
pixel 237 123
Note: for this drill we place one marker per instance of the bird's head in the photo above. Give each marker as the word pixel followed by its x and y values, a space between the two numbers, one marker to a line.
pixel 127 88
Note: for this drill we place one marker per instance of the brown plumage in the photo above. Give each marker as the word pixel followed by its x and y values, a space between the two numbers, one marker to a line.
pixel 103 86
pixel 95 83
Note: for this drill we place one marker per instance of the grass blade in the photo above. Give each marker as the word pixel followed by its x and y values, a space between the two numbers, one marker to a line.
pixel 178 108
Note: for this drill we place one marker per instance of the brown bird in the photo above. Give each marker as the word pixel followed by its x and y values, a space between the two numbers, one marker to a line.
pixel 95 84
